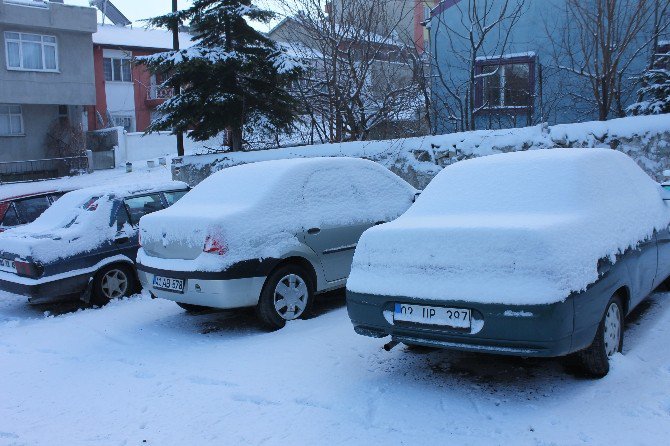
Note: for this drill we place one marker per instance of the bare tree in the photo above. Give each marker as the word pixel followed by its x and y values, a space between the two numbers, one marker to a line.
pixel 473 29
pixel 362 76
pixel 598 42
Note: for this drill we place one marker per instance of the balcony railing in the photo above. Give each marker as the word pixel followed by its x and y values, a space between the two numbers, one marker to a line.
pixel 156 92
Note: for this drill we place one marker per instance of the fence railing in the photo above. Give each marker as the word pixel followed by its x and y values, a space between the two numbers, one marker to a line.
pixel 42 169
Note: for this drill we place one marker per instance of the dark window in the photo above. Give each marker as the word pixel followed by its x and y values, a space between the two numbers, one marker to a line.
pixel 141 206
pixel 122 218
pixel 117 69
pixel 505 83
pixel 174 196
pixel 31 208
pixel 10 219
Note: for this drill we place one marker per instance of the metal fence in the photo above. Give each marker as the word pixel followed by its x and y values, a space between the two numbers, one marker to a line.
pixel 12 171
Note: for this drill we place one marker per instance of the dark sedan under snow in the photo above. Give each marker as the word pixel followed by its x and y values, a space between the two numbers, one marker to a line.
pixel 538 253
pixel 84 246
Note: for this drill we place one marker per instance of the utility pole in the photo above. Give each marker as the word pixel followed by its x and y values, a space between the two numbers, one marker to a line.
pixel 175 46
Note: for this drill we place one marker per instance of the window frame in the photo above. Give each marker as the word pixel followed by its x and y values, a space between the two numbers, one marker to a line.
pixel 121 60
pixel 42 43
pixel 20 117
pixel 132 128
pixel 502 62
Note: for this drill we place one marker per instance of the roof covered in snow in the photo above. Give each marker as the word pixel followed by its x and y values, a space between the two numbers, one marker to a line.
pixel 120 36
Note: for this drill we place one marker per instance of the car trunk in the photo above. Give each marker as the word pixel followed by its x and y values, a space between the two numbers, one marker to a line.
pixel 179 239
pixel 496 259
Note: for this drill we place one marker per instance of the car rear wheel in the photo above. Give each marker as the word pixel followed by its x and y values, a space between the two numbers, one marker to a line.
pixel 608 341
pixel 112 282
pixel 286 295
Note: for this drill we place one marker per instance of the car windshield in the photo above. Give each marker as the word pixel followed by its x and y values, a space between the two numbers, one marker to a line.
pixel 30 208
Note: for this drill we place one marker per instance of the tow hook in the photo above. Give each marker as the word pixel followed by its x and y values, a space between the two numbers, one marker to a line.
pixel 389 345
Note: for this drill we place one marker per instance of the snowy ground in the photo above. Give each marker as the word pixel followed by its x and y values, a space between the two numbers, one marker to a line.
pixel 141 371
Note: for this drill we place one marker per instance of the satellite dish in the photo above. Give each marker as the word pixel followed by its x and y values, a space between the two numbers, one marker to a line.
pixel 111 12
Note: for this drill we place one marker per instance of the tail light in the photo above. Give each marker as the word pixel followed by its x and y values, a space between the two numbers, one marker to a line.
pixel 214 245
pixel 27 269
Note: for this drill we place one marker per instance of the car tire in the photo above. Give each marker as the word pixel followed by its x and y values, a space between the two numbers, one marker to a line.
pixel 113 282
pixel 274 309
pixel 608 341
pixel 190 308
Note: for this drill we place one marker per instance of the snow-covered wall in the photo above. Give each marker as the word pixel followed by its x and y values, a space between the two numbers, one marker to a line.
pixel 137 146
pixel 645 138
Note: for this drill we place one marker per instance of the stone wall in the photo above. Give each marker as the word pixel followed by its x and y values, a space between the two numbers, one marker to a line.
pixel 646 139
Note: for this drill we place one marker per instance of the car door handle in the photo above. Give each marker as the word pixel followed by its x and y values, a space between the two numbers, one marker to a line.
pixel 313 231
pixel 122 240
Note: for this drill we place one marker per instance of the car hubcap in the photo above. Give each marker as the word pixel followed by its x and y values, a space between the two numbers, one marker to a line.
pixel 290 297
pixel 114 284
pixel 612 329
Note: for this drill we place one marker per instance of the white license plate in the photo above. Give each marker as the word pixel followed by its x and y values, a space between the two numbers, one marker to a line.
pixel 421 314
pixel 7 265
pixel 169 284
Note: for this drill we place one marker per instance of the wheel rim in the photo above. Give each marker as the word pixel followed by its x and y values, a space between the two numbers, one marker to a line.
pixel 612 332
pixel 114 284
pixel 290 297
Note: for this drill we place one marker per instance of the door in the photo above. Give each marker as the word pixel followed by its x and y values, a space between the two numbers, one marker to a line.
pixel 642 265
pixel 333 220
pixel 663 246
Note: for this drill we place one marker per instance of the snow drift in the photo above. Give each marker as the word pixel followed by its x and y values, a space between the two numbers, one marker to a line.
pixel 256 210
pixel 517 228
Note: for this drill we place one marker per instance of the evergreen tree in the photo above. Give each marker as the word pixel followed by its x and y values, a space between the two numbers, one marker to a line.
pixel 232 74
pixel 655 91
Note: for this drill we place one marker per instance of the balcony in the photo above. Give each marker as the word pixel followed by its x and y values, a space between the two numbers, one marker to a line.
pixel 157 95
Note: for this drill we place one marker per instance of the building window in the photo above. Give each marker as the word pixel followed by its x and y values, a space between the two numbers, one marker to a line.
pixel 11 120
pixel 31 52
pixel 117 69
pixel 125 121
pixel 506 82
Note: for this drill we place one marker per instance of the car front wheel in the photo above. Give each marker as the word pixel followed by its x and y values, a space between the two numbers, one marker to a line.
pixel 608 340
pixel 286 295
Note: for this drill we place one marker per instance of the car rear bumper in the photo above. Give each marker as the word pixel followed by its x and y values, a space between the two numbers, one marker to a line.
pixel 39 291
pixel 528 330
pixel 200 290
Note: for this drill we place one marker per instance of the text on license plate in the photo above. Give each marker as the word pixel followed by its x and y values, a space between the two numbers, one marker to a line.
pixel 169 284
pixel 7 265
pixel 421 314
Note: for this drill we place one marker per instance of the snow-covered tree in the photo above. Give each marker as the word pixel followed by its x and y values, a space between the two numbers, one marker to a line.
pixel 232 74
pixel 655 90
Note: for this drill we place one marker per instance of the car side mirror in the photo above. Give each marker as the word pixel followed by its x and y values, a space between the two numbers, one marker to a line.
pixel 416 196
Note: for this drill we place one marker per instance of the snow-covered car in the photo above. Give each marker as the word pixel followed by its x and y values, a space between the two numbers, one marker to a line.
pixel 23 209
pixel 268 234
pixel 83 246
pixel 538 253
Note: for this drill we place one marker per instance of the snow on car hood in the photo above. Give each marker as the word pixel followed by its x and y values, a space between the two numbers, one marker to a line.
pixel 257 209
pixel 517 228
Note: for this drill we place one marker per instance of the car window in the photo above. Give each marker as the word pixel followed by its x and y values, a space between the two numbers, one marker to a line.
pixel 332 198
pixel 122 218
pixel 30 208
pixel 174 196
pixel 55 196
pixel 141 206
pixel 10 219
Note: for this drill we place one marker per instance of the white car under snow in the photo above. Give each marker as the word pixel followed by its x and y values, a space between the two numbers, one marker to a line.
pixel 268 234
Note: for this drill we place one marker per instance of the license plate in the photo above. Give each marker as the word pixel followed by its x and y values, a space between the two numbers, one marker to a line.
pixel 421 314
pixel 169 284
pixel 7 265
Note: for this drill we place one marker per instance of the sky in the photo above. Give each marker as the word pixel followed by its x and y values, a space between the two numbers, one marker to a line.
pixel 138 10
